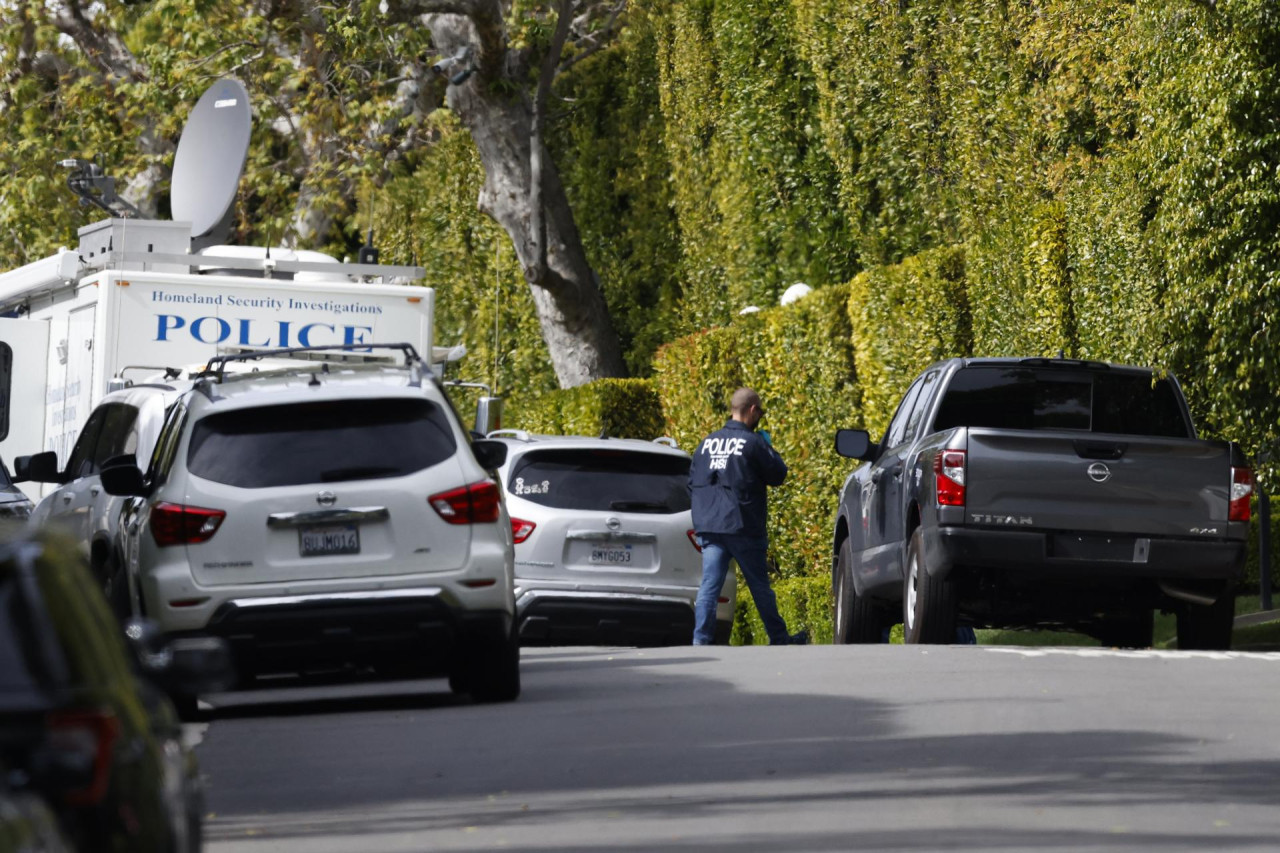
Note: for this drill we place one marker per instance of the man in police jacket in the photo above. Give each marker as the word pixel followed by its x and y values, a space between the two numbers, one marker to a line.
pixel 731 472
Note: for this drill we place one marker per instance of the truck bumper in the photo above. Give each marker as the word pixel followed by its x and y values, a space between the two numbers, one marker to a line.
pixel 1048 554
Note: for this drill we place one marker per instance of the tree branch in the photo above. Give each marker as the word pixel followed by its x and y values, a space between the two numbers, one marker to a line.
pixel 106 50
pixel 538 226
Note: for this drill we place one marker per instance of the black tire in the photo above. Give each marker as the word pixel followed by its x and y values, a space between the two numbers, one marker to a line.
pixel 929 604
pixel 1130 631
pixel 856 619
pixel 458 681
pixel 495 669
pixel 115 585
pixel 1207 626
pixel 187 706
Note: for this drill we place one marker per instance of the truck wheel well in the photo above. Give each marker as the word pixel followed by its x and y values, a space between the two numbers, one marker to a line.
pixel 842 533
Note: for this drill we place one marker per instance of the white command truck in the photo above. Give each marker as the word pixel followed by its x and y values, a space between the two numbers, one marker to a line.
pixel 133 302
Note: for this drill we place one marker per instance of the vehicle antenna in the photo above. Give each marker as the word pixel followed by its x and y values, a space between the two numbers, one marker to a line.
pixel 497 299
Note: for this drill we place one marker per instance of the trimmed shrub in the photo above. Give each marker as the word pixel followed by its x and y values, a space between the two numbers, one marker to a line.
pixel 904 318
pixel 618 408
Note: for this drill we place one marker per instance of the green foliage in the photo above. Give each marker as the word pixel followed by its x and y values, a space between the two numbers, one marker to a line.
pixel 430 218
pixel 799 358
pixel 618 408
pixel 751 183
pixel 904 318
pixel 804 602
pixel 608 147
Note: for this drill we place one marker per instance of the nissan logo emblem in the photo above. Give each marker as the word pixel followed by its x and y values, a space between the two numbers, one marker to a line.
pixel 1099 473
pixel 612 523
pixel 326 498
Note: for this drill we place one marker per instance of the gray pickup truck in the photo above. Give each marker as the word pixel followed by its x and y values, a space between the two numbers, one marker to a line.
pixel 1040 492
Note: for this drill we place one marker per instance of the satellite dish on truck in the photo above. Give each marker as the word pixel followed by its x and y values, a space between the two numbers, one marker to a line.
pixel 210 158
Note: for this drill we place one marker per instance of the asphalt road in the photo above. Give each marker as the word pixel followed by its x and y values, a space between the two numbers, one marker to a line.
pixel 818 748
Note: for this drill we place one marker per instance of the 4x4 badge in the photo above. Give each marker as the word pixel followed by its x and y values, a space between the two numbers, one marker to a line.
pixel 1099 473
pixel 326 498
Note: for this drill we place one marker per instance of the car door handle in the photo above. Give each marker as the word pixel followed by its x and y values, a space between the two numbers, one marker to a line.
pixel 66 499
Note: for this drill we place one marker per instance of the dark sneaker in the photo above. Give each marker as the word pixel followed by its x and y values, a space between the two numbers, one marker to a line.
pixel 799 638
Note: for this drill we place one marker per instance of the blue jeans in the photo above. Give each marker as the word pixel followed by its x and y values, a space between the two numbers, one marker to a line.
pixel 750 553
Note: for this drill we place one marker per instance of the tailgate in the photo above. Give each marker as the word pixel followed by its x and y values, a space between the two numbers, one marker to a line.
pixel 1095 482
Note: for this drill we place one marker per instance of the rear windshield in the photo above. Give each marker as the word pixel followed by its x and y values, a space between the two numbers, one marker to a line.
pixel 617 480
pixel 1054 398
pixel 323 442
pixel 21 674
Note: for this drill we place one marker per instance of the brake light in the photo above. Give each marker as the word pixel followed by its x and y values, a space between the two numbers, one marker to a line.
pixel 474 504
pixel 173 524
pixel 84 739
pixel 1241 492
pixel 693 539
pixel 948 466
pixel 521 529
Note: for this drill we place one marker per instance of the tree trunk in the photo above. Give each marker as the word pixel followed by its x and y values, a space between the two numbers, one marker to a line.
pixel 566 294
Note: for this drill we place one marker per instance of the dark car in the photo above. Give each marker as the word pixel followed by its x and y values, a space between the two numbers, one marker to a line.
pixel 27 824
pixel 82 725
pixel 13 503
pixel 1040 492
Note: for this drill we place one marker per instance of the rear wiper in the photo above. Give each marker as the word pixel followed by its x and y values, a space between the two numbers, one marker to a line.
pixel 655 505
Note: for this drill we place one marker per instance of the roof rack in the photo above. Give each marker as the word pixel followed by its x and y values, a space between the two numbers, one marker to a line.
pixel 216 368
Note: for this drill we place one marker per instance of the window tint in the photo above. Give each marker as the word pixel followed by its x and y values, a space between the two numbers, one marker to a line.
pixel 921 405
pixel 6 385
pixel 323 442
pixel 1029 398
pixel 119 433
pixel 80 462
pixel 618 480
pixel 897 427
pixel 175 421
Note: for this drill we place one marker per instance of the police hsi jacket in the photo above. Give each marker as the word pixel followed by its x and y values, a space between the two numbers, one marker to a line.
pixel 728 481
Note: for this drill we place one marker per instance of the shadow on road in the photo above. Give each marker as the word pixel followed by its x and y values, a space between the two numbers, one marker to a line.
pixel 654 740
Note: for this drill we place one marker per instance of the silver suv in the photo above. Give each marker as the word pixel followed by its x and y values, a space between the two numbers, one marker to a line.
pixel 124 424
pixel 605 551
pixel 329 516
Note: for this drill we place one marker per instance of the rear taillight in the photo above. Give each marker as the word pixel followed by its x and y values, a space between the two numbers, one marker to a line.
pixel 474 504
pixel 81 742
pixel 693 538
pixel 521 529
pixel 948 466
pixel 1241 492
pixel 173 524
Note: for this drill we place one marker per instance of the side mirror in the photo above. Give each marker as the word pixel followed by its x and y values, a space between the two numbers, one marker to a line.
pixel 38 468
pixel 490 454
pixel 124 480
pixel 854 444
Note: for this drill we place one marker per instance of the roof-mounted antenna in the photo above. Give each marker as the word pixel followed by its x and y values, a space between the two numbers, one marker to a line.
pixel 368 254
pixel 93 186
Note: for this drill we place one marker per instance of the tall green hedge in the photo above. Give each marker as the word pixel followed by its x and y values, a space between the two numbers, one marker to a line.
pixel 905 317
pixel 618 408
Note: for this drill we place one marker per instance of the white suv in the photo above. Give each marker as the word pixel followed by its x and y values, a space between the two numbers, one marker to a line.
pixel 327 517
pixel 605 551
